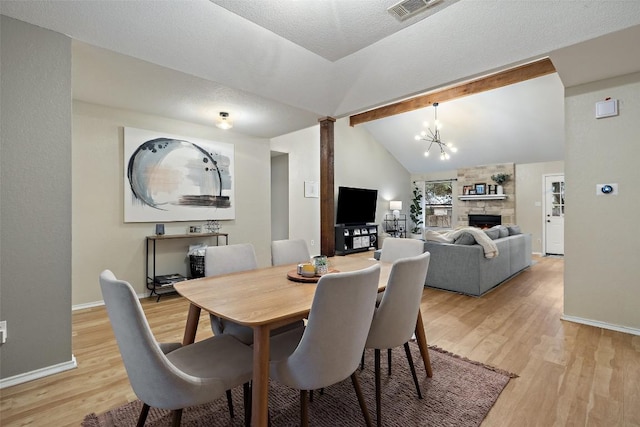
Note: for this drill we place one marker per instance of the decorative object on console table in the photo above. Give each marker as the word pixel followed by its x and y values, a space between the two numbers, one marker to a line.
pixel 415 213
pixel 500 178
pixel 212 226
pixel 169 279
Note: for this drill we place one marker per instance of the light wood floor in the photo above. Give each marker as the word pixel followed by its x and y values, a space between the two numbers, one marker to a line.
pixel 569 374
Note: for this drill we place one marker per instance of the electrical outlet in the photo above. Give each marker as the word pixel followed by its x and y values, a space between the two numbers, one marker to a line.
pixel 3 332
pixel 313 242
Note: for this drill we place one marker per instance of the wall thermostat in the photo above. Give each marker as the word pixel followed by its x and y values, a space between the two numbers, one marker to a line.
pixel 605 189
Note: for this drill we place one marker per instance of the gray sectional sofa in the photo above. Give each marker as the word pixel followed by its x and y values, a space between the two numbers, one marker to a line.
pixel 464 268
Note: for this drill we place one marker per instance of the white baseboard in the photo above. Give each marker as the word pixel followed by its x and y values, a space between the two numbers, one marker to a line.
pixel 602 325
pixel 98 303
pixel 39 373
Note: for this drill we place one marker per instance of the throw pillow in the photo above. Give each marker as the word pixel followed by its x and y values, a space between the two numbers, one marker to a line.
pixel 514 229
pixel 465 239
pixel 493 233
pixel 504 231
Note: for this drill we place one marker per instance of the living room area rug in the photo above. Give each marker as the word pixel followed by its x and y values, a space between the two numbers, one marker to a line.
pixel 460 393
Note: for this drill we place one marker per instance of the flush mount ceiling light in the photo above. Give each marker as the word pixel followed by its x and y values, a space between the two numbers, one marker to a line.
pixel 224 121
pixel 433 137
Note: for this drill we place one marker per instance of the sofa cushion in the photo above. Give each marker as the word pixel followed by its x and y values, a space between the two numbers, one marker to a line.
pixel 514 230
pixel 493 233
pixel 504 231
pixel 465 239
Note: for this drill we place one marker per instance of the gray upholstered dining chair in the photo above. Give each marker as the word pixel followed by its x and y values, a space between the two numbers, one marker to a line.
pixel 170 376
pixel 333 340
pixel 394 248
pixel 395 317
pixel 290 251
pixel 227 259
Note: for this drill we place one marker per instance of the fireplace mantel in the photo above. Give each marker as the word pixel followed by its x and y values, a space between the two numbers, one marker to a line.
pixel 483 197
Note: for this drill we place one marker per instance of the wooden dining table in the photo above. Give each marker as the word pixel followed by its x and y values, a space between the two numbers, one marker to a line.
pixel 264 299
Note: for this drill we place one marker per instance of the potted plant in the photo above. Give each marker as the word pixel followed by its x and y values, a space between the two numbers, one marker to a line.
pixel 500 178
pixel 415 213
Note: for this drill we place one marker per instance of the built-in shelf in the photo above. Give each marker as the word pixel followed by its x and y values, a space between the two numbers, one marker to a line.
pixel 483 197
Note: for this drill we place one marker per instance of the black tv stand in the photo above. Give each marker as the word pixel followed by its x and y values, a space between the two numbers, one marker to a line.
pixel 356 238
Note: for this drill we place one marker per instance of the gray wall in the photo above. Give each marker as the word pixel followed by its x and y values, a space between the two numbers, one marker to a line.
pixel 35 197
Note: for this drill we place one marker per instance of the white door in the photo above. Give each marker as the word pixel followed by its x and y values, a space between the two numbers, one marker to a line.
pixel 554 214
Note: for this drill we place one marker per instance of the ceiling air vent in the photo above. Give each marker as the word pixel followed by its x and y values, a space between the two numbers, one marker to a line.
pixel 408 8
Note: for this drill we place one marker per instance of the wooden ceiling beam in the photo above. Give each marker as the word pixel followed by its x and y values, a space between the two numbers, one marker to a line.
pixel 503 78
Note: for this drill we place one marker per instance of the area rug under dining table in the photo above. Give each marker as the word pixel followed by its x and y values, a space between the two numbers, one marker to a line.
pixel 460 393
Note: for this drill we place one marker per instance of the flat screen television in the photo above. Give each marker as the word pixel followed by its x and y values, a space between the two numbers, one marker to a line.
pixel 356 205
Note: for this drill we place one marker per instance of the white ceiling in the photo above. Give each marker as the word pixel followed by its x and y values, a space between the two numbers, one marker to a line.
pixel 331 29
pixel 278 65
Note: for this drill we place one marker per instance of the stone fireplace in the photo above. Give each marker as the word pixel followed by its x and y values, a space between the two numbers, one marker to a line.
pixel 503 208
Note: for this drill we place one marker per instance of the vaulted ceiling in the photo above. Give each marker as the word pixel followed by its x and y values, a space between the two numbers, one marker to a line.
pixel 278 65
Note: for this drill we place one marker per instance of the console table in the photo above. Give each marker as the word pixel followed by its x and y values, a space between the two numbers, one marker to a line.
pixel 154 286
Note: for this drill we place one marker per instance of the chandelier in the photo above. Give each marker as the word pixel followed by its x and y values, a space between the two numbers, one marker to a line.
pixel 433 137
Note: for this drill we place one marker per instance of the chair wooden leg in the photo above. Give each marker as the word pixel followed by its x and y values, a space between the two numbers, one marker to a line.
pixel 378 387
pixel 230 403
pixel 246 394
pixel 143 415
pixel 389 361
pixel 304 409
pixel 177 418
pixel 407 350
pixel 363 405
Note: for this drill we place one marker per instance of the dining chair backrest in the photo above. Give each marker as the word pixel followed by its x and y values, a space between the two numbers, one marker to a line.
pixel 150 373
pixel 227 259
pixel 394 248
pixel 337 328
pixel 290 251
pixel 394 320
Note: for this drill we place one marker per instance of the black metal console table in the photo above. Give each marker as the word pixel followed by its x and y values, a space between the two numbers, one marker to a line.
pixel 161 289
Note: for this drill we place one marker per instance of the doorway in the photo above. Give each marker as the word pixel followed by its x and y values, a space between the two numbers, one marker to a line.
pixel 554 198
pixel 279 196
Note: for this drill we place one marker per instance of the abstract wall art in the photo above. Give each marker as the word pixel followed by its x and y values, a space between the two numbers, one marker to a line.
pixel 175 178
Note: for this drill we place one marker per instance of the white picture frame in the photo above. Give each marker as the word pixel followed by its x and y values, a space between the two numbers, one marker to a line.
pixel 176 178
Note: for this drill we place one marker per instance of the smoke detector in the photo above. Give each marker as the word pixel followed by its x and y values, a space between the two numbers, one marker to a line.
pixel 408 8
